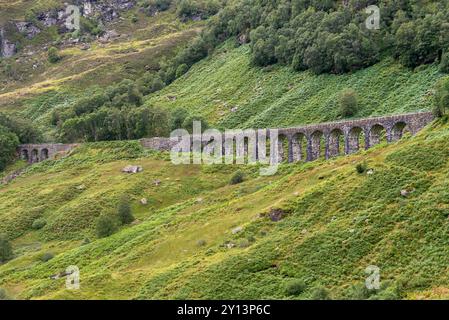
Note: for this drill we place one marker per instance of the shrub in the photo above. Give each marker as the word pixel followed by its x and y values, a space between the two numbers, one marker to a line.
pixel 237 178
pixel 105 226
pixel 361 167
pixel 320 293
pixel 444 64
pixel 38 224
pixel 188 123
pixel 181 70
pixel 5 249
pixel 348 103
pixel 124 213
pixel 8 146
pixel 441 100
pixel 295 287
pixel 47 256
pixel 53 55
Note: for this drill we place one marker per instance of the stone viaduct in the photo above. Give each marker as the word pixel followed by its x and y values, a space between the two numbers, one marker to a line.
pixel 326 140
pixel 34 153
pixel 305 143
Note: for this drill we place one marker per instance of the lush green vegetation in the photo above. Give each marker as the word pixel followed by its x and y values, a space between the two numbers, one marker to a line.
pixel 183 243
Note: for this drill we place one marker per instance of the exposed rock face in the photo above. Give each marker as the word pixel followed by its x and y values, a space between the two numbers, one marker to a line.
pixel 28 29
pixel 105 11
pixel 7 48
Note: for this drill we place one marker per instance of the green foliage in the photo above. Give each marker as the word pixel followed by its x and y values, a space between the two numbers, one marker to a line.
pixel 38 224
pixel 53 55
pixel 195 8
pixel 237 178
pixel 295 287
pixel 124 212
pixel 320 293
pixel 444 63
pixel 361 167
pixel 8 146
pixel 6 252
pixel 177 118
pixel 189 120
pixel 181 70
pixel 106 226
pixel 441 99
pixel 47 256
pixel 348 103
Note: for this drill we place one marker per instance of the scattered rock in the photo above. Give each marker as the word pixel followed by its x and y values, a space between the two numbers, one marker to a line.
pixel 370 172
pixel 237 230
pixel 157 182
pixel 229 245
pixel 81 187
pixel 171 98
pixel 199 200
pixel 277 214
pixel 406 193
pixel 132 169
pixel 85 46
pixel 234 109
pixel 144 201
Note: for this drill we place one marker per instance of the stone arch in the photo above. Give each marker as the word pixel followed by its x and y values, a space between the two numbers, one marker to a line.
pixel 24 155
pixel 315 145
pixel 44 154
pixel 377 134
pixel 34 156
pixel 355 140
pixel 299 147
pixel 398 130
pixel 336 143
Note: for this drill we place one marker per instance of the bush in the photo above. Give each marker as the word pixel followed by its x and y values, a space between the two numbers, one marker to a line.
pixel 38 224
pixel 47 256
pixel 295 287
pixel 53 55
pixel 105 226
pixel 444 64
pixel 8 146
pixel 181 70
pixel 237 178
pixel 441 99
pixel 124 213
pixel 361 167
pixel 188 123
pixel 5 249
pixel 348 103
pixel 320 293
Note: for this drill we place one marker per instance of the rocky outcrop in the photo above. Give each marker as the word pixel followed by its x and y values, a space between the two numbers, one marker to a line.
pixel 7 48
pixel 104 11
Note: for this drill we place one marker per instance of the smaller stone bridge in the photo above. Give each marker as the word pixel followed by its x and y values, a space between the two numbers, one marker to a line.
pixel 33 153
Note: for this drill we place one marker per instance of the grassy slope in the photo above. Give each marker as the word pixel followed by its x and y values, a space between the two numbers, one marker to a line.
pixel 340 222
pixel 281 97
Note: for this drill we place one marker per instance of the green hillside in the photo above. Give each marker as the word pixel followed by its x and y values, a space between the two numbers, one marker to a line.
pixel 279 97
pixel 182 246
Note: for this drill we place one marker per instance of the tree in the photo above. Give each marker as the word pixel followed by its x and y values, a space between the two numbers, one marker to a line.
pixel 444 64
pixel 53 55
pixel 441 99
pixel 105 226
pixel 188 123
pixel 5 249
pixel 177 118
pixel 124 212
pixel 181 70
pixel 8 146
pixel 348 103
